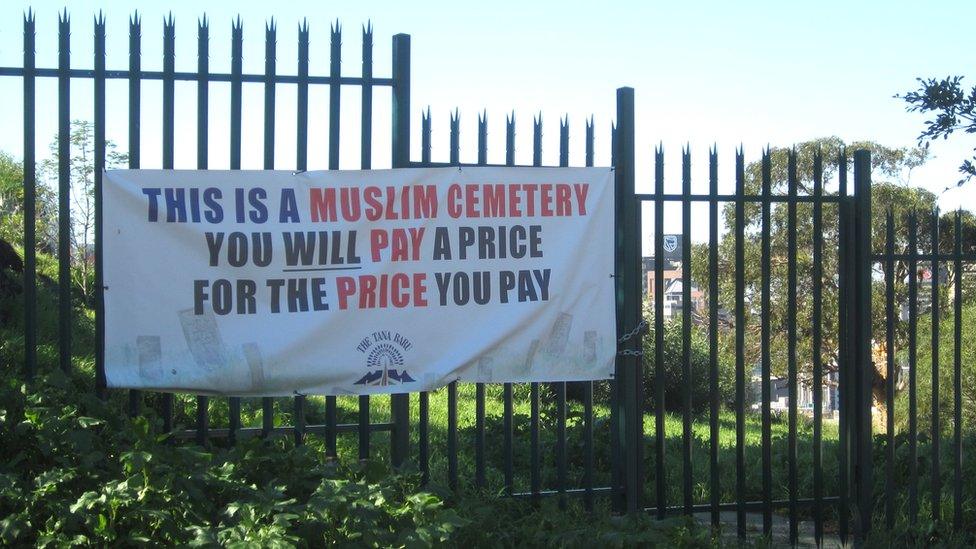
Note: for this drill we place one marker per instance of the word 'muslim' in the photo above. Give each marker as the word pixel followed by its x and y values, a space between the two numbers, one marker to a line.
pixel 472 200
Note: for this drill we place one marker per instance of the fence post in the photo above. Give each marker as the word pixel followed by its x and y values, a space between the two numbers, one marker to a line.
pixel 864 369
pixel 628 298
pixel 400 403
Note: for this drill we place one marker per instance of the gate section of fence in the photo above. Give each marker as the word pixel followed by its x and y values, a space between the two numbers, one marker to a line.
pixel 756 296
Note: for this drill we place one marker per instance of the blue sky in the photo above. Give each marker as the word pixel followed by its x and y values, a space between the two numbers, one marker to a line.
pixel 704 72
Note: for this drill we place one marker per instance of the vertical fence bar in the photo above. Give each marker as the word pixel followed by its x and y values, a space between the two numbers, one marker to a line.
pixel 936 426
pixel 686 305
pixel 452 432
pixel 169 121
pixel 299 433
pixel 400 403
pixel 99 111
pixel 764 333
pixel 865 368
pixel 233 419
pixel 135 103
pixel 452 457
pixel 912 369
pixel 30 203
pixel 203 420
pixel 64 191
pixel 203 109
pixel 791 340
pixel 237 56
pixel 301 164
pixel 236 65
pixel 510 139
pixel 301 122
pixel 331 431
pixel 331 413
pixel 479 397
pixel 659 396
pixel 509 435
pixel 537 140
pixel 335 74
pixel 425 136
pixel 817 296
pixel 588 385
pixel 366 135
pixel 740 383
pixel 479 441
pixel 535 474
pixel 424 427
pixel 890 371
pixel 424 436
pixel 843 388
pixel 957 378
pixel 714 489
pixel 365 163
pixel 169 84
pixel 203 93
pixel 482 138
pixel 270 58
pixel 455 152
pixel 561 386
pixel 535 467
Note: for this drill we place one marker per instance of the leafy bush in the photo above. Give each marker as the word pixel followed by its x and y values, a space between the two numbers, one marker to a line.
pixel 73 472
pixel 675 383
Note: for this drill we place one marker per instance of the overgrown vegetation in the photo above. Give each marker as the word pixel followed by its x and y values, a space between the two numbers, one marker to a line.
pixel 75 470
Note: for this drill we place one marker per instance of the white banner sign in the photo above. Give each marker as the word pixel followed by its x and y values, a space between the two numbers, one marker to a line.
pixel 355 282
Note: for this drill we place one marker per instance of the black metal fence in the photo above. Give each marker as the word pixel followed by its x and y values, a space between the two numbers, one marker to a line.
pixel 609 460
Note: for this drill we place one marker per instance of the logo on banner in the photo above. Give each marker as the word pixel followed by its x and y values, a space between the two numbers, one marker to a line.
pixel 385 362
pixel 670 242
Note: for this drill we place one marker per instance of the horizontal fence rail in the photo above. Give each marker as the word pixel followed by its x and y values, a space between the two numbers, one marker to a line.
pixel 786 280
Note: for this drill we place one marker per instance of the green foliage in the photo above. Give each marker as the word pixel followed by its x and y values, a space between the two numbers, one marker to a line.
pixel 674 379
pixel 946 362
pixel 12 207
pixel 73 471
pixel 953 110
pixel 514 523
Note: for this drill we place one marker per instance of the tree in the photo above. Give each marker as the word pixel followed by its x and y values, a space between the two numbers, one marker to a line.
pixel 82 183
pixel 12 207
pixel 953 109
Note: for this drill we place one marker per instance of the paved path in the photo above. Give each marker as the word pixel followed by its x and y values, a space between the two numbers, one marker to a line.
pixel 780 534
